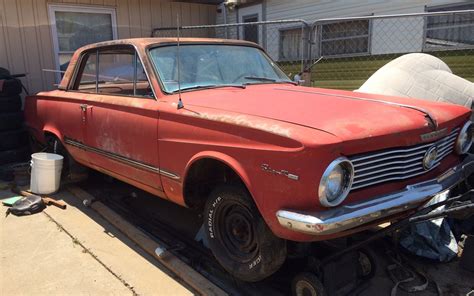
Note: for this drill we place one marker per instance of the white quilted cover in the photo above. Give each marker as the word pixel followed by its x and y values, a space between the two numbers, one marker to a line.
pixel 419 75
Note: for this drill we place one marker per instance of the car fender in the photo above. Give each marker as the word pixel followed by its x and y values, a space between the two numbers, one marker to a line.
pixel 226 159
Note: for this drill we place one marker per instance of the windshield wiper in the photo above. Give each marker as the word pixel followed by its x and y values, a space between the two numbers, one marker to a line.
pixel 260 78
pixel 270 80
pixel 211 86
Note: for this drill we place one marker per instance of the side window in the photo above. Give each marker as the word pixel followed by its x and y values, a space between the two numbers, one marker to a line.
pixel 116 71
pixel 87 81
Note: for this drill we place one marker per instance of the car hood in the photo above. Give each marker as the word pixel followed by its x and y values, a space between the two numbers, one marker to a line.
pixel 345 114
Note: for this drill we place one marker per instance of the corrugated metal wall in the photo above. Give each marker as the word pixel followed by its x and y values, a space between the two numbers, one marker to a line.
pixel 26 44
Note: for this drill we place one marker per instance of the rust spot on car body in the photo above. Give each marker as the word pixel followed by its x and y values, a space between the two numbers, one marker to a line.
pixel 245 121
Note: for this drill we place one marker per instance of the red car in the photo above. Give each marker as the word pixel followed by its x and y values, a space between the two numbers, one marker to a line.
pixel 229 134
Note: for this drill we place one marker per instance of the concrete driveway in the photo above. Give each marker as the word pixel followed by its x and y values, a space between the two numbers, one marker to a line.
pixel 65 252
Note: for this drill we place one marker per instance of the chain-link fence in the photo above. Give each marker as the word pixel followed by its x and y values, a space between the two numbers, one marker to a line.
pixel 352 49
pixel 349 50
pixel 285 41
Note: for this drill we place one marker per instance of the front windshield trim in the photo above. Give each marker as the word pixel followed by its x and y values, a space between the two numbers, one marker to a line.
pixel 169 44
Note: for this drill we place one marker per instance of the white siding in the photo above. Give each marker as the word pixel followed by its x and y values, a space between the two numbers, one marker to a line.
pixel 26 44
pixel 387 36
pixel 311 10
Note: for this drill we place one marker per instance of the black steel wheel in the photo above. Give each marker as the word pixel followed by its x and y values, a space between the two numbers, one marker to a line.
pixel 239 237
pixel 307 284
pixel 367 266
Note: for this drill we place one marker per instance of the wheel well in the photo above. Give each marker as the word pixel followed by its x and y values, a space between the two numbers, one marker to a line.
pixel 203 176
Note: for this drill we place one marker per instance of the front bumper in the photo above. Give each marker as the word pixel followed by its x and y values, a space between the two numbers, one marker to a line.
pixel 350 216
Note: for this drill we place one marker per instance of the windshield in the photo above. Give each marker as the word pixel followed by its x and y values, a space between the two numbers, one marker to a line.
pixel 213 66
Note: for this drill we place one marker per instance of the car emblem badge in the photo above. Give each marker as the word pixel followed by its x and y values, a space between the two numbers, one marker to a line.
pixel 433 135
pixel 429 160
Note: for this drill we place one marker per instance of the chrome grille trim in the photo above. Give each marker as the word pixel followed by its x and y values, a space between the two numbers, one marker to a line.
pixel 398 164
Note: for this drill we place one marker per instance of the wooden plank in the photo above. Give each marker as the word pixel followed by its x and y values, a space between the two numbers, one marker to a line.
pixel 4 52
pixel 13 37
pixel 110 3
pixel 145 18
pixel 123 20
pixel 175 11
pixel 166 19
pixel 134 17
pixel 31 46
pixel 185 19
pixel 173 263
pixel 155 14
pixel 45 43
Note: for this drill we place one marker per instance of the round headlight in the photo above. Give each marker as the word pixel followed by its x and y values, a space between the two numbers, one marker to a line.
pixel 336 182
pixel 464 140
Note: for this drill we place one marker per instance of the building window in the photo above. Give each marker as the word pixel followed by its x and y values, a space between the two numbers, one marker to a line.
pixel 445 31
pixel 250 31
pixel 345 38
pixel 290 45
pixel 76 26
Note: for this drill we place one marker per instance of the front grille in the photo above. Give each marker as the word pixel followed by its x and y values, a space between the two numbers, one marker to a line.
pixel 398 163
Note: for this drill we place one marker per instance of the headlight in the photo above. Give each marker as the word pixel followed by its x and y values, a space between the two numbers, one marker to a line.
pixel 464 141
pixel 336 182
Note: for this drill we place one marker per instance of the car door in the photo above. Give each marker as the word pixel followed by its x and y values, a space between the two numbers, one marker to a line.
pixel 120 115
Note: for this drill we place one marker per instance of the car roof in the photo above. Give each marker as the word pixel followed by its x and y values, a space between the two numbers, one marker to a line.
pixel 150 42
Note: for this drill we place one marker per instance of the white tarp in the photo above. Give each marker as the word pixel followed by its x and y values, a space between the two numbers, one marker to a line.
pixel 420 75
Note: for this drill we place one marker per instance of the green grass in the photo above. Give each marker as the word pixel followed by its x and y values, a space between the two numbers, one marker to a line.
pixel 351 72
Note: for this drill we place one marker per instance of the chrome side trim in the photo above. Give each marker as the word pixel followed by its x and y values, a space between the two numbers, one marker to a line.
pixel 353 215
pixel 122 159
pixel 169 174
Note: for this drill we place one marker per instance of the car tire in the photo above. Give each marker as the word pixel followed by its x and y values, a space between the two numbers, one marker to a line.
pixel 10 104
pixel 11 87
pixel 307 283
pixel 238 236
pixel 16 155
pixel 11 140
pixel 11 121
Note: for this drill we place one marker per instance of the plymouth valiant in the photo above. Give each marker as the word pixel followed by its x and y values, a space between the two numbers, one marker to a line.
pixel 216 126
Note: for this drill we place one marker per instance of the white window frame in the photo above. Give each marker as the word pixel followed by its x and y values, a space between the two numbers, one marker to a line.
pixel 368 36
pixel 281 32
pixel 53 8
pixel 441 8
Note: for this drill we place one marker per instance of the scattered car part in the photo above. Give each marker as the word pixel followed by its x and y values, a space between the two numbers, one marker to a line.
pixel 47 200
pixel 307 284
pixel 27 205
pixel 162 251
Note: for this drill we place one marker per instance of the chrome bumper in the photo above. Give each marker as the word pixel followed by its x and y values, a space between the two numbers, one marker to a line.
pixel 356 214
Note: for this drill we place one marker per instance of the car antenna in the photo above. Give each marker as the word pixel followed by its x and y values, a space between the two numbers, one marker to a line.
pixel 180 102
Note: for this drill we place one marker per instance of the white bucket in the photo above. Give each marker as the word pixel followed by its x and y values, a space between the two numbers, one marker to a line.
pixel 45 172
